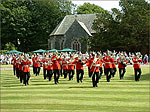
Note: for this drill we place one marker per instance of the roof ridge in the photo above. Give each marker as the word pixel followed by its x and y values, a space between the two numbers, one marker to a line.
pixel 60 25
pixel 86 29
pixel 81 14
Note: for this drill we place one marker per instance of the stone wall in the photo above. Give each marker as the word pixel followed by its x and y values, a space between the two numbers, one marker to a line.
pixel 75 32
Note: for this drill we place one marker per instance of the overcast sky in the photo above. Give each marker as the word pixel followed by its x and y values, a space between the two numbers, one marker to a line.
pixel 106 4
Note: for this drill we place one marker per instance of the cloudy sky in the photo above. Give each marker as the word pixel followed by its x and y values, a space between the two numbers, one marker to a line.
pixel 106 4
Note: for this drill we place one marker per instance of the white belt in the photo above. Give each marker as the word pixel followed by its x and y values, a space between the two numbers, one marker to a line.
pixel 25 65
pixel 107 62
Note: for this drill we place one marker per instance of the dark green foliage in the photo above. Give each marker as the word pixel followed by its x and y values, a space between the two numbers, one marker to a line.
pixel 88 8
pixel 28 23
pixel 127 29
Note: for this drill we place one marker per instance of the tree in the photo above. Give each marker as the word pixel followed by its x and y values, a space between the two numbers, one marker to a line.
pixel 87 8
pixel 9 46
pixel 127 29
pixel 28 23
pixel 66 6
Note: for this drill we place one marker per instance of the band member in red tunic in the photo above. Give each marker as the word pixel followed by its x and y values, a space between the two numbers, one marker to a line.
pixel 71 67
pixel 14 64
pixel 34 68
pixel 122 63
pixel 108 66
pixel 26 70
pixel 56 67
pixel 79 68
pixel 100 59
pixel 49 69
pixel 20 69
pixel 45 61
pixel 113 62
pixel 37 65
pixel 65 66
pixel 94 69
pixel 88 65
pixel 17 68
pixel 137 68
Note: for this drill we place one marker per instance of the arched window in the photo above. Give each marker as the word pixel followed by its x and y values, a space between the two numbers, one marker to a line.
pixel 76 45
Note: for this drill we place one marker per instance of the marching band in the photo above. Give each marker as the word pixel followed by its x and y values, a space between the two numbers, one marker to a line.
pixel 66 64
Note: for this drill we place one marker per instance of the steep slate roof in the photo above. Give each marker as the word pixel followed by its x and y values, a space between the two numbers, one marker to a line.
pixel 85 20
pixel 84 27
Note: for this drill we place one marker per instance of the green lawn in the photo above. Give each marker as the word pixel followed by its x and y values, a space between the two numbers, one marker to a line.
pixel 68 96
pixel 6 66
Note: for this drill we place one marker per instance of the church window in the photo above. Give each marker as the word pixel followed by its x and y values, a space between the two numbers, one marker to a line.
pixel 76 45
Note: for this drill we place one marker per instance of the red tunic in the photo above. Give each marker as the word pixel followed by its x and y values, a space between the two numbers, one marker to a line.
pixel 136 64
pixel 14 61
pixel 113 63
pixel 17 63
pixel 107 61
pixel 26 64
pixel 33 60
pixel 101 62
pixel 65 65
pixel 87 64
pixel 119 63
pixel 79 65
pixel 44 63
pixel 37 62
pixel 71 65
pixel 56 64
pixel 94 66
pixel 20 65
pixel 50 65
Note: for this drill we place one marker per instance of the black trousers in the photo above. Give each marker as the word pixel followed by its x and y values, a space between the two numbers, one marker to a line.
pixel 113 72
pixel 26 77
pixel 71 74
pixel 21 75
pixel 80 74
pixel 104 71
pixel 17 72
pixel 14 69
pixel 56 75
pixel 108 72
pixel 44 73
pixel 137 73
pixel 89 72
pixel 95 79
pixel 101 72
pixel 122 72
pixel 34 70
pixel 61 70
pixel 37 70
pixel 65 72
pixel 49 74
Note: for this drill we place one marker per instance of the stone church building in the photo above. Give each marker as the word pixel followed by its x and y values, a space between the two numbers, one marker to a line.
pixel 70 32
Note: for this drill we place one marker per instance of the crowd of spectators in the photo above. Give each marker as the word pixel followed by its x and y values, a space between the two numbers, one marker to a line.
pixel 6 58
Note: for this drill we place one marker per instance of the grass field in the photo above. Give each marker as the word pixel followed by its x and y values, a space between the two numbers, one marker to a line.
pixel 6 66
pixel 68 96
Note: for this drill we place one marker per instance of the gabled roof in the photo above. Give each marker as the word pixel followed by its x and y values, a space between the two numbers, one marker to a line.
pixel 84 27
pixel 85 20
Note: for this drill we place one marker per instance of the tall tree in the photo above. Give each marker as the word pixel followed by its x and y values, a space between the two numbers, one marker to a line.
pixel 28 23
pixel 87 8
pixel 127 29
